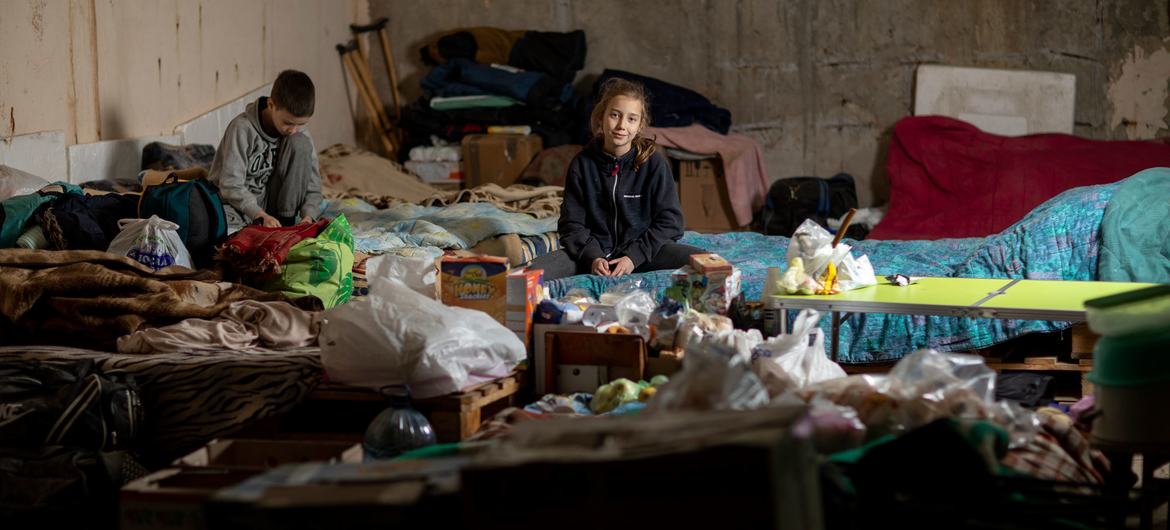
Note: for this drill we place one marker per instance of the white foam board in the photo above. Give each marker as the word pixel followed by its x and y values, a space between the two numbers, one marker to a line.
pixel 111 159
pixel 208 127
pixel 1005 102
pixel 42 154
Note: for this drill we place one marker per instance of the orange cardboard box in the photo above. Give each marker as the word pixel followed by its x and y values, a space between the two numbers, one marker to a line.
pixel 524 293
pixel 479 282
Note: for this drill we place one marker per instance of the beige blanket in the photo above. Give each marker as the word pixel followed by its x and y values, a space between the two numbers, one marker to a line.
pixel 346 169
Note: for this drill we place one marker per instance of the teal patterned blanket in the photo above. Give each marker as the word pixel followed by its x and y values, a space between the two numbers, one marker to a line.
pixel 455 226
pixel 1057 240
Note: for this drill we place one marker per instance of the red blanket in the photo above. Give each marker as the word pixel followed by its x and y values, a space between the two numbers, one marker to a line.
pixel 259 251
pixel 949 179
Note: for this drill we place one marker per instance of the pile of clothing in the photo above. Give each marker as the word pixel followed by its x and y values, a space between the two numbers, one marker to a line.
pixel 486 76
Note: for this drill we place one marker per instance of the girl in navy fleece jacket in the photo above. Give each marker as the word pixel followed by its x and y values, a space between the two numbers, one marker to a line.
pixel 621 212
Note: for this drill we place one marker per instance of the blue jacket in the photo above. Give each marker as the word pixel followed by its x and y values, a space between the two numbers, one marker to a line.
pixel 612 210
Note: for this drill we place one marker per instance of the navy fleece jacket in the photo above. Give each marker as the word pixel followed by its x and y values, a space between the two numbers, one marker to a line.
pixel 612 210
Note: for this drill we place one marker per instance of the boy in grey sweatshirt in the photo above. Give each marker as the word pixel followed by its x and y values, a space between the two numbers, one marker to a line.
pixel 266 165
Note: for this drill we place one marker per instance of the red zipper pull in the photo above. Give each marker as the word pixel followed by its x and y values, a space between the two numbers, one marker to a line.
pixel 616 168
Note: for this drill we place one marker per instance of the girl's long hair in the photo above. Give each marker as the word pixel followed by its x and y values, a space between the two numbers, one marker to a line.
pixel 616 86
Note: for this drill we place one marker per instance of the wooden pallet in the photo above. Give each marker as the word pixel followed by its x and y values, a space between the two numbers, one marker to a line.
pixel 454 417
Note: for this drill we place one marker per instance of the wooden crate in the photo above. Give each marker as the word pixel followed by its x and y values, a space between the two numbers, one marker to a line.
pixel 340 412
pixel 458 416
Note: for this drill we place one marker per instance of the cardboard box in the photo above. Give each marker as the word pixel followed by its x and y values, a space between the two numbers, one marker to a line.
pixel 702 189
pixel 173 498
pixel 710 293
pixel 478 282
pixel 524 292
pixel 388 494
pixel 763 476
pixel 497 158
pixel 259 455
pixel 436 172
pixel 708 264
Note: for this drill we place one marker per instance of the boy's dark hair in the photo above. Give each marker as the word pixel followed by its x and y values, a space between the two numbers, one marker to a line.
pixel 294 92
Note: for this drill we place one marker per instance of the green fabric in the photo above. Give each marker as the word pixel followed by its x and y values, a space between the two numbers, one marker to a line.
pixel 18 210
pixel 1134 245
pixel 319 266
pixel 472 102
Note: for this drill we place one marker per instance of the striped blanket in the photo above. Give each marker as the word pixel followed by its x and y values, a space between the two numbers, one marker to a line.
pixel 191 398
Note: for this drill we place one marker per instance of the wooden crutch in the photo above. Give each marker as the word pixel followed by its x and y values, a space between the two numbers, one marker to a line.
pixel 369 96
pixel 387 57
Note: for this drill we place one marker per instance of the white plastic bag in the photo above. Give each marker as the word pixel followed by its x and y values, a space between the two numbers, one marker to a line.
pixel 716 375
pixel 814 246
pixel 855 273
pixel 634 308
pixel 14 182
pixel 398 336
pixel 414 266
pixel 802 354
pixel 152 242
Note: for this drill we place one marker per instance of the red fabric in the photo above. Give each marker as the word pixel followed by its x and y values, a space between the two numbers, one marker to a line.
pixel 259 251
pixel 949 179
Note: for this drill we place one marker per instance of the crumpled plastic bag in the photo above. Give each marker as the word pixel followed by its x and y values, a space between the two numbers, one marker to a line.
pixel 413 266
pixel 795 280
pixel 14 182
pixel 398 336
pixel 634 308
pixel 801 354
pixel 611 395
pixel 616 292
pixel 695 325
pixel 830 427
pixel 153 242
pixel 716 375
pixel 855 273
pixel 924 386
pixel 814 246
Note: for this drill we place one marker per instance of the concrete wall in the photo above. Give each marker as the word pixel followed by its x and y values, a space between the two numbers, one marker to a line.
pixel 115 69
pixel 819 83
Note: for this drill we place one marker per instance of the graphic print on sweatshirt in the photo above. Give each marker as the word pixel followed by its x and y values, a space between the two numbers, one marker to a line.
pixel 260 163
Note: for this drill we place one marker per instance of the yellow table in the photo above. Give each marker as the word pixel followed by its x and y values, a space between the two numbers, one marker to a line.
pixel 960 297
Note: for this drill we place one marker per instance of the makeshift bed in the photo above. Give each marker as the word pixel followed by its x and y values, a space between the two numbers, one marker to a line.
pixel 193 397
pixel 1058 240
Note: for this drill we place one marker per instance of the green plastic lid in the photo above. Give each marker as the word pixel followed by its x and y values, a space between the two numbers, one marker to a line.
pixel 1132 360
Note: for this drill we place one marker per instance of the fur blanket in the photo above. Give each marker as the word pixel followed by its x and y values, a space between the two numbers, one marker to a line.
pixel 92 297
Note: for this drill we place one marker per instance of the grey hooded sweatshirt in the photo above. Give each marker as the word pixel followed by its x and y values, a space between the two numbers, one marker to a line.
pixel 246 159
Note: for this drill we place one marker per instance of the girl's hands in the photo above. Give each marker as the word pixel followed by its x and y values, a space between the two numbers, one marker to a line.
pixel 601 267
pixel 620 266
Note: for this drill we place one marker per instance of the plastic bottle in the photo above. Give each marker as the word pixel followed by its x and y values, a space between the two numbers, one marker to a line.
pixel 32 238
pixel 398 429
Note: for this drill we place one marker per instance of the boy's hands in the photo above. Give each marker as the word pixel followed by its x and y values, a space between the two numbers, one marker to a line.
pixel 621 266
pixel 306 220
pixel 268 220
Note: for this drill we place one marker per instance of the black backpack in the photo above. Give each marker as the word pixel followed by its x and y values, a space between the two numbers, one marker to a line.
pixel 73 405
pixel 792 200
